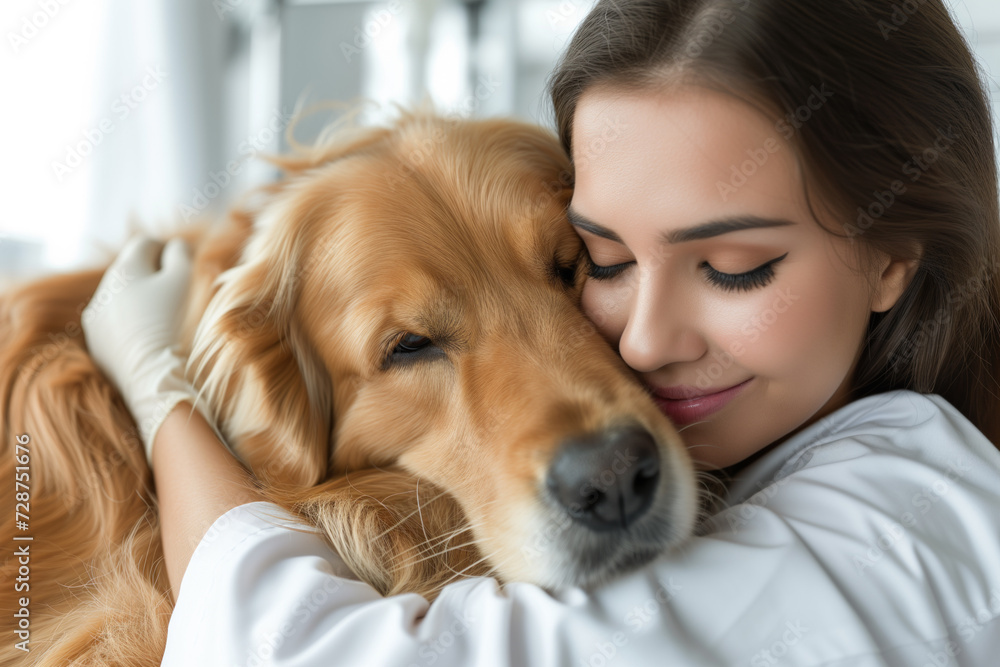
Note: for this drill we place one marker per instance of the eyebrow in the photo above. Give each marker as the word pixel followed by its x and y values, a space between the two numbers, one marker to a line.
pixel 705 230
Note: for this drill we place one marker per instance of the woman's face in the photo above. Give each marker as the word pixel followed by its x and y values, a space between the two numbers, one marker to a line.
pixel 708 271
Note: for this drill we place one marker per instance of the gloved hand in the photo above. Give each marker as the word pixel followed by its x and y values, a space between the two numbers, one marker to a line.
pixel 131 328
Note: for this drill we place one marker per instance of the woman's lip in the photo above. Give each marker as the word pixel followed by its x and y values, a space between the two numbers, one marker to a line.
pixel 688 410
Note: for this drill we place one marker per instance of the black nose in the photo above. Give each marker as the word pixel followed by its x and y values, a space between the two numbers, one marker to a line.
pixel 606 480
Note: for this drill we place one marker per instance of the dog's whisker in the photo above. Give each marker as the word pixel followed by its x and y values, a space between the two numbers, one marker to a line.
pixel 444 539
pixel 431 546
pixel 435 542
pixel 460 573
pixel 403 519
pixel 704 444
pixel 687 426
pixel 442 553
pixel 435 545
pixel 420 510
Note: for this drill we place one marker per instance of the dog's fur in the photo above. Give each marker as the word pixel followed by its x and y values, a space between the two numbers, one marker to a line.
pixel 454 230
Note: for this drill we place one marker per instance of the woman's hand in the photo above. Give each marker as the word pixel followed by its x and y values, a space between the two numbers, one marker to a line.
pixel 131 328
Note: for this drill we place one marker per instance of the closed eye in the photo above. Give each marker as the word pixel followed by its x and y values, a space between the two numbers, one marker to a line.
pixel 746 281
pixel 598 272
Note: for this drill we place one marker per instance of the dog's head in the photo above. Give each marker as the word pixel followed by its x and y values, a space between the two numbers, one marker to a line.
pixel 410 299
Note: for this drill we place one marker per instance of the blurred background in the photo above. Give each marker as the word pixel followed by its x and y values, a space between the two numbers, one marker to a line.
pixel 154 111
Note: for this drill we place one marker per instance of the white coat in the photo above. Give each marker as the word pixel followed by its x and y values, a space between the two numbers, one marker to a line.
pixel 871 537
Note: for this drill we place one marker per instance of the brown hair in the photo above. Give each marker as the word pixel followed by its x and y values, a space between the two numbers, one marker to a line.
pixel 902 152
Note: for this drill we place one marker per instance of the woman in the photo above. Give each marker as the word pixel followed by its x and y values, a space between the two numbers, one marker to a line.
pixel 791 214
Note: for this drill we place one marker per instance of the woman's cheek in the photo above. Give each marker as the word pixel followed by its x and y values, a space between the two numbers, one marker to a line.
pixel 607 307
pixel 794 329
pixel 759 331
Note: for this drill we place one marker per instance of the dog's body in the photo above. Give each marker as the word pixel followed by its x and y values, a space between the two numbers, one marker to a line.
pixel 399 317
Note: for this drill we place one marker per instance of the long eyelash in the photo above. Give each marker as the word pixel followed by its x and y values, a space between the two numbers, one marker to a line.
pixel 604 272
pixel 747 281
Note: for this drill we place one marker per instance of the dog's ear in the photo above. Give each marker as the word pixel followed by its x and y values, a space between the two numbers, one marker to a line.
pixel 256 371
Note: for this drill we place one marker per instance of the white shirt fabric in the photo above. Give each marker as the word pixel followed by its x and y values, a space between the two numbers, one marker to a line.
pixel 872 537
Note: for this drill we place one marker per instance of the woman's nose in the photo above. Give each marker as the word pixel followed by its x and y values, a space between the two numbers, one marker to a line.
pixel 660 329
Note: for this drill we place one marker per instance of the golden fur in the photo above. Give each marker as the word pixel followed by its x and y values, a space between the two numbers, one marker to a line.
pixel 450 229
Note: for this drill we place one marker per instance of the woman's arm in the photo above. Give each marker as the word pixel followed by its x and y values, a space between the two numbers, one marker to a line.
pixel 836 564
pixel 197 481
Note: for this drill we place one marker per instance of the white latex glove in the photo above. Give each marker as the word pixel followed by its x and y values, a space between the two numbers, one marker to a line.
pixel 131 328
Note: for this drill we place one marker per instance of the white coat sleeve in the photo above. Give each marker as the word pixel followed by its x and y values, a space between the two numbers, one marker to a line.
pixel 846 561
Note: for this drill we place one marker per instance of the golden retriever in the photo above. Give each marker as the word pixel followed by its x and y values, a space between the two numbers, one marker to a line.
pixel 390 339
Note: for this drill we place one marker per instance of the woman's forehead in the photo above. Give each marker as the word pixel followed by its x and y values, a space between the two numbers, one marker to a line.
pixel 686 156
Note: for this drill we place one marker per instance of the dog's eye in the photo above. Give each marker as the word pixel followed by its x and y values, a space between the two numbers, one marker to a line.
pixel 412 348
pixel 411 343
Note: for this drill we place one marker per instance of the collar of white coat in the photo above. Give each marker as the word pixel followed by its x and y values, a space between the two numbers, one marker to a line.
pixel 896 409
